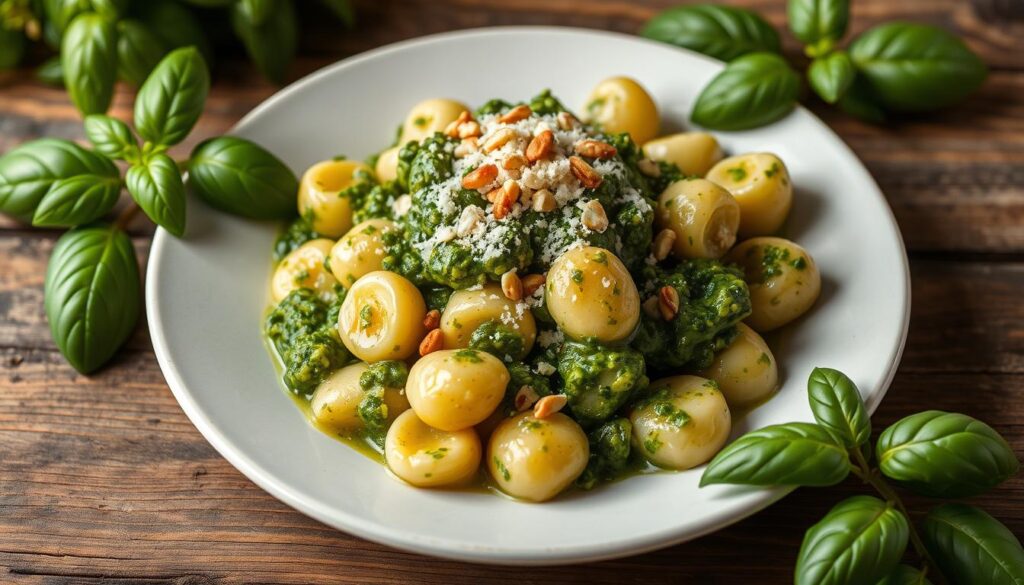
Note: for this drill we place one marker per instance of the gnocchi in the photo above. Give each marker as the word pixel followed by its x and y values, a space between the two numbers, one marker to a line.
pixel 746 371
pixel 620 104
pixel 456 389
pixel 321 197
pixel 304 268
pixel 427 457
pixel 703 216
pixel 683 424
pixel 430 116
pixel 590 294
pixel 784 280
pixel 360 251
pixel 761 186
pixel 386 168
pixel 382 317
pixel 468 309
pixel 335 402
pixel 693 152
pixel 535 459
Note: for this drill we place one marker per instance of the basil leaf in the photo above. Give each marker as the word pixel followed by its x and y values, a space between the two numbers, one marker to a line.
pixel 62 12
pixel 752 91
pixel 77 201
pixel 830 76
pixel 916 67
pixel 905 575
pixel 787 454
pixel 89 55
pixel 838 406
pixel 343 10
pixel 813 21
pixel 157 187
pixel 51 71
pixel 29 171
pixel 111 136
pixel 859 541
pixel 92 293
pixel 945 455
pixel 138 51
pixel 240 177
pixel 12 47
pixel 172 98
pixel 270 45
pixel 174 25
pixel 210 3
pixel 859 103
pixel 972 548
pixel 257 11
pixel 722 32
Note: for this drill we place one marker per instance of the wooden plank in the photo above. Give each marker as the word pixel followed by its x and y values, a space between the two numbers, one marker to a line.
pixel 105 478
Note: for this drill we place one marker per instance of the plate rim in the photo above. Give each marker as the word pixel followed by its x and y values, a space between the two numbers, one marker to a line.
pixel 394 537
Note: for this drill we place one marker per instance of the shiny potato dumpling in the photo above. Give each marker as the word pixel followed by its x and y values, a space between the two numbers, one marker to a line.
pixel 761 186
pixel 430 116
pixel 590 294
pixel 683 425
pixel 468 309
pixel 703 215
pixel 320 197
pixel 386 168
pixel 454 389
pixel 620 104
pixel 746 371
pixel 693 152
pixel 381 317
pixel 535 459
pixel 360 251
pixel 335 403
pixel 304 268
pixel 427 457
pixel 783 279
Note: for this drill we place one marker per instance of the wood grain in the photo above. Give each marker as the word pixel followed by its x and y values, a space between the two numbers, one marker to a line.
pixel 104 480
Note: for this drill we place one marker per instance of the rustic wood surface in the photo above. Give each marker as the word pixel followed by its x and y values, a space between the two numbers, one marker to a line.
pixel 104 480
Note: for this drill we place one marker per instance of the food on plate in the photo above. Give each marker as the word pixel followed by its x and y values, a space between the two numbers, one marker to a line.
pixel 487 300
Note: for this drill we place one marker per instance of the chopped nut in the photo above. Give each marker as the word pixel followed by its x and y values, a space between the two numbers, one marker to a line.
pixel 452 129
pixel 585 173
pixel 480 177
pixel 549 405
pixel 544 201
pixel 594 149
pixel 649 167
pixel 505 198
pixel 663 243
pixel 434 341
pixel 469 130
pixel 516 114
pixel 668 302
pixel 515 161
pixel 651 309
pixel 432 319
pixel 499 139
pixel 532 282
pixel 402 205
pixel 525 398
pixel 467 147
pixel 469 219
pixel 446 234
pixel 541 146
pixel 512 286
pixel 594 216
pixel 566 121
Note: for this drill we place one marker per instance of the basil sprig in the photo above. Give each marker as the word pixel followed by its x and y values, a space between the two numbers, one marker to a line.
pixel 92 285
pixel 890 67
pixel 752 91
pixel 722 32
pixel 864 538
pixel 89 57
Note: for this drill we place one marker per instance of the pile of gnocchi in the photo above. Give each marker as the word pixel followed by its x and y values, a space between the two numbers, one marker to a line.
pixel 526 299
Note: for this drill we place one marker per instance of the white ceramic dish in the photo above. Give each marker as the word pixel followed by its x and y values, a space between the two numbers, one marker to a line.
pixel 206 296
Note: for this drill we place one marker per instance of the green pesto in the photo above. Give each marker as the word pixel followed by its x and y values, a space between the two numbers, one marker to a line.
pixel 502 469
pixel 521 374
pixel 365 316
pixel 499 340
pixel 772 259
pixel 737 174
pixel 377 203
pixel 438 453
pixel 577 276
pixel 493 106
pixel 798 263
pixel 470 356
pixel 764 359
pixel 598 380
pixel 609 452
pixel 303 330
pixel 771 171
pixel 653 442
pixel 546 104
pixel 713 298
pixel 436 297
pixel 372 409
pixel 661 403
pixel 294 235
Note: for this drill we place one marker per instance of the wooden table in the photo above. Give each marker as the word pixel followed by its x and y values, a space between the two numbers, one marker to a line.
pixel 104 480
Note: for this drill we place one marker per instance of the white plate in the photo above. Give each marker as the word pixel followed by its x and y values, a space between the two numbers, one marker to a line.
pixel 206 296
